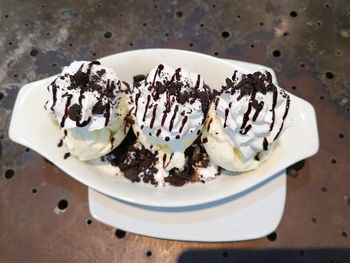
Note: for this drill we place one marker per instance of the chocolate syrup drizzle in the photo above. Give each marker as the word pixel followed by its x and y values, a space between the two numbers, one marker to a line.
pixel 174 95
pixel 60 143
pixel 146 108
pixel 247 113
pixel 54 93
pixel 258 108
pixel 68 101
pixel 265 144
pixel 137 102
pixel 107 114
pixel 173 118
pixel 184 120
pixel 283 118
pixel 164 118
pixel 250 85
pixel 153 116
pixel 171 157
pixel 274 101
pixel 158 71
pixel 226 115
pixel 84 81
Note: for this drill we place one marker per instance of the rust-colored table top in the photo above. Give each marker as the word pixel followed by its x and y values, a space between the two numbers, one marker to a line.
pixel 44 215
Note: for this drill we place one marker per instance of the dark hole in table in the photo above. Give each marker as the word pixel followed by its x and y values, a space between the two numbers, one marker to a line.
pixel 62 204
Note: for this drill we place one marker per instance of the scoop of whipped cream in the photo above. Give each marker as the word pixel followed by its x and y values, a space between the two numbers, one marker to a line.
pixel 88 102
pixel 169 108
pixel 245 120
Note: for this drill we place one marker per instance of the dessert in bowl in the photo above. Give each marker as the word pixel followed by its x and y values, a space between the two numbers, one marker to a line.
pixel 102 176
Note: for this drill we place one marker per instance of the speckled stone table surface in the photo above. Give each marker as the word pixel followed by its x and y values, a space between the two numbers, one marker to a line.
pixel 44 215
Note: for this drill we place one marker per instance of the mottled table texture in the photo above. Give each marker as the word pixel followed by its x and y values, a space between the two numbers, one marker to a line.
pixel 44 215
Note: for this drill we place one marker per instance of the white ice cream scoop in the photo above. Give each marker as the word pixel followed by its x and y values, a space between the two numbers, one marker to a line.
pixel 169 108
pixel 88 102
pixel 245 120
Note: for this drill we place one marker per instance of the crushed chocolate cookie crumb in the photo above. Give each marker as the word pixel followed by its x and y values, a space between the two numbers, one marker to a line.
pixel 196 157
pixel 136 163
pixel 139 164
pixel 138 78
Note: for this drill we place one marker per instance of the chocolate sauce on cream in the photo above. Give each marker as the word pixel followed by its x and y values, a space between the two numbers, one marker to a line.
pixel 258 108
pixel 171 125
pixel 146 108
pixel 246 114
pixel 226 115
pixel 107 114
pixel 159 70
pixel 137 102
pixel 184 120
pixel 274 101
pixel 284 117
pixel 79 80
pixel 258 91
pixel 153 116
pixel 164 118
pixel 265 144
pixel 68 101
pixel 54 94
pixel 169 99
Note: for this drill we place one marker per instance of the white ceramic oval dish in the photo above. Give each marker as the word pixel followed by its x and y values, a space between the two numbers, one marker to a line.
pixel 32 126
